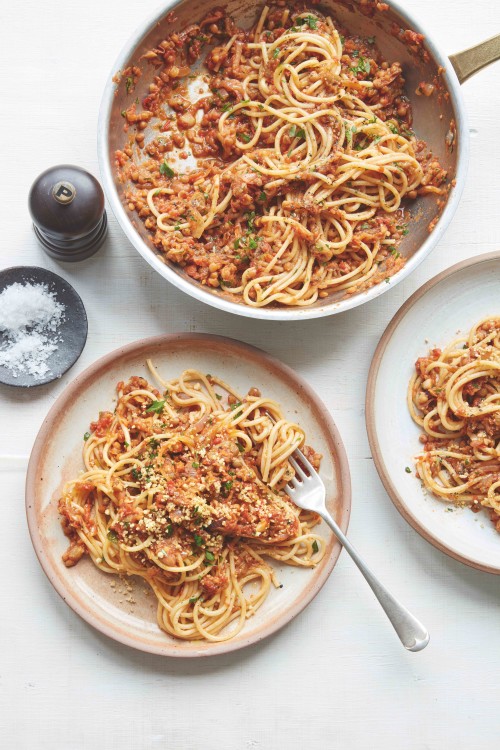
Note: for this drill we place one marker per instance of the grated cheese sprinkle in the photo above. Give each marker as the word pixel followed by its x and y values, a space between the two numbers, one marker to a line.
pixel 30 317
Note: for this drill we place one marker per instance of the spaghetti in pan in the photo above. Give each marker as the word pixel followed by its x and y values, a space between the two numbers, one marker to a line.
pixel 304 152
pixel 454 396
pixel 183 488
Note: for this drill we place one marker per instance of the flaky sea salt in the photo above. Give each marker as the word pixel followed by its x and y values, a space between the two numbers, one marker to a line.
pixel 28 305
pixel 30 316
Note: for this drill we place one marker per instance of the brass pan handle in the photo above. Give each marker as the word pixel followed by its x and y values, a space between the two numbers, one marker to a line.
pixel 471 60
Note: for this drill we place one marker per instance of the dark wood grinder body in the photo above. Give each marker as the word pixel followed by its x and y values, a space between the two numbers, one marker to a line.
pixel 66 204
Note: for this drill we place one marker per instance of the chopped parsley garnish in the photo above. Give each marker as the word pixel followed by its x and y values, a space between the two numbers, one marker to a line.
pixel 129 82
pixel 195 465
pixel 123 113
pixel 315 547
pixel 112 536
pixel 408 470
pixel 370 39
pixel 194 599
pixel 136 474
pixel 250 217
pixel 240 446
pixel 363 66
pixel 218 396
pixel 402 229
pixel 209 556
pixel 226 487
pixel 276 52
pixel 393 250
pixel 169 530
pixel 296 132
pixel 166 169
pixel 245 137
pixel 86 436
pixel 350 129
pixel 392 128
pixel 236 243
pixel 253 243
pixel 310 21
pixel 156 407
pixel 262 196
pixel 198 540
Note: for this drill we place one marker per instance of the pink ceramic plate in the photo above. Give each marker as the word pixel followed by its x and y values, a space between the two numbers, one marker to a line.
pixel 56 456
pixel 445 307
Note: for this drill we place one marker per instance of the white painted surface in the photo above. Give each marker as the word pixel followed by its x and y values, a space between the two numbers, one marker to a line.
pixel 337 676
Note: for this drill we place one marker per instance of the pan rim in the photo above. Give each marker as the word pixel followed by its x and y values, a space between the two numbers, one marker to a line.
pixel 197 291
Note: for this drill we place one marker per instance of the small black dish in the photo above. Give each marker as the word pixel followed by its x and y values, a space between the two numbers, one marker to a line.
pixel 72 331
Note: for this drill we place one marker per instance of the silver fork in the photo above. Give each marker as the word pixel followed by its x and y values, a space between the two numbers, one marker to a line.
pixel 308 492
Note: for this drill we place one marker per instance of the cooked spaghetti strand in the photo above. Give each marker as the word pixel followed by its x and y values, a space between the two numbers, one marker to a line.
pixel 183 487
pixel 306 156
pixel 454 396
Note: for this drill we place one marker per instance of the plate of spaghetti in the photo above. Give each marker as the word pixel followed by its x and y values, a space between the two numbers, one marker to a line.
pixel 273 162
pixel 433 411
pixel 167 527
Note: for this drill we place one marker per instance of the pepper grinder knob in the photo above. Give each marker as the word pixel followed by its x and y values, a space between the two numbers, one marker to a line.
pixel 66 204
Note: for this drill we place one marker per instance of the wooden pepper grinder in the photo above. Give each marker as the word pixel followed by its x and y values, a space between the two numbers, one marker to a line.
pixel 66 204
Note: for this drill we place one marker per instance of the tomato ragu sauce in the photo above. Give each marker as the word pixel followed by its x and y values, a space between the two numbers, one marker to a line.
pixel 279 172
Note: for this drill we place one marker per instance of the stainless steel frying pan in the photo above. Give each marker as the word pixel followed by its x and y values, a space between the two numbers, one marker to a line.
pixel 439 119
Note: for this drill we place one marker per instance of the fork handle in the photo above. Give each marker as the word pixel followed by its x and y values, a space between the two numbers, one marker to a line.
pixel 412 634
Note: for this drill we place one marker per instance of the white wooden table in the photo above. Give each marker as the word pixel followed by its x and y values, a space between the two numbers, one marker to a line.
pixel 336 677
